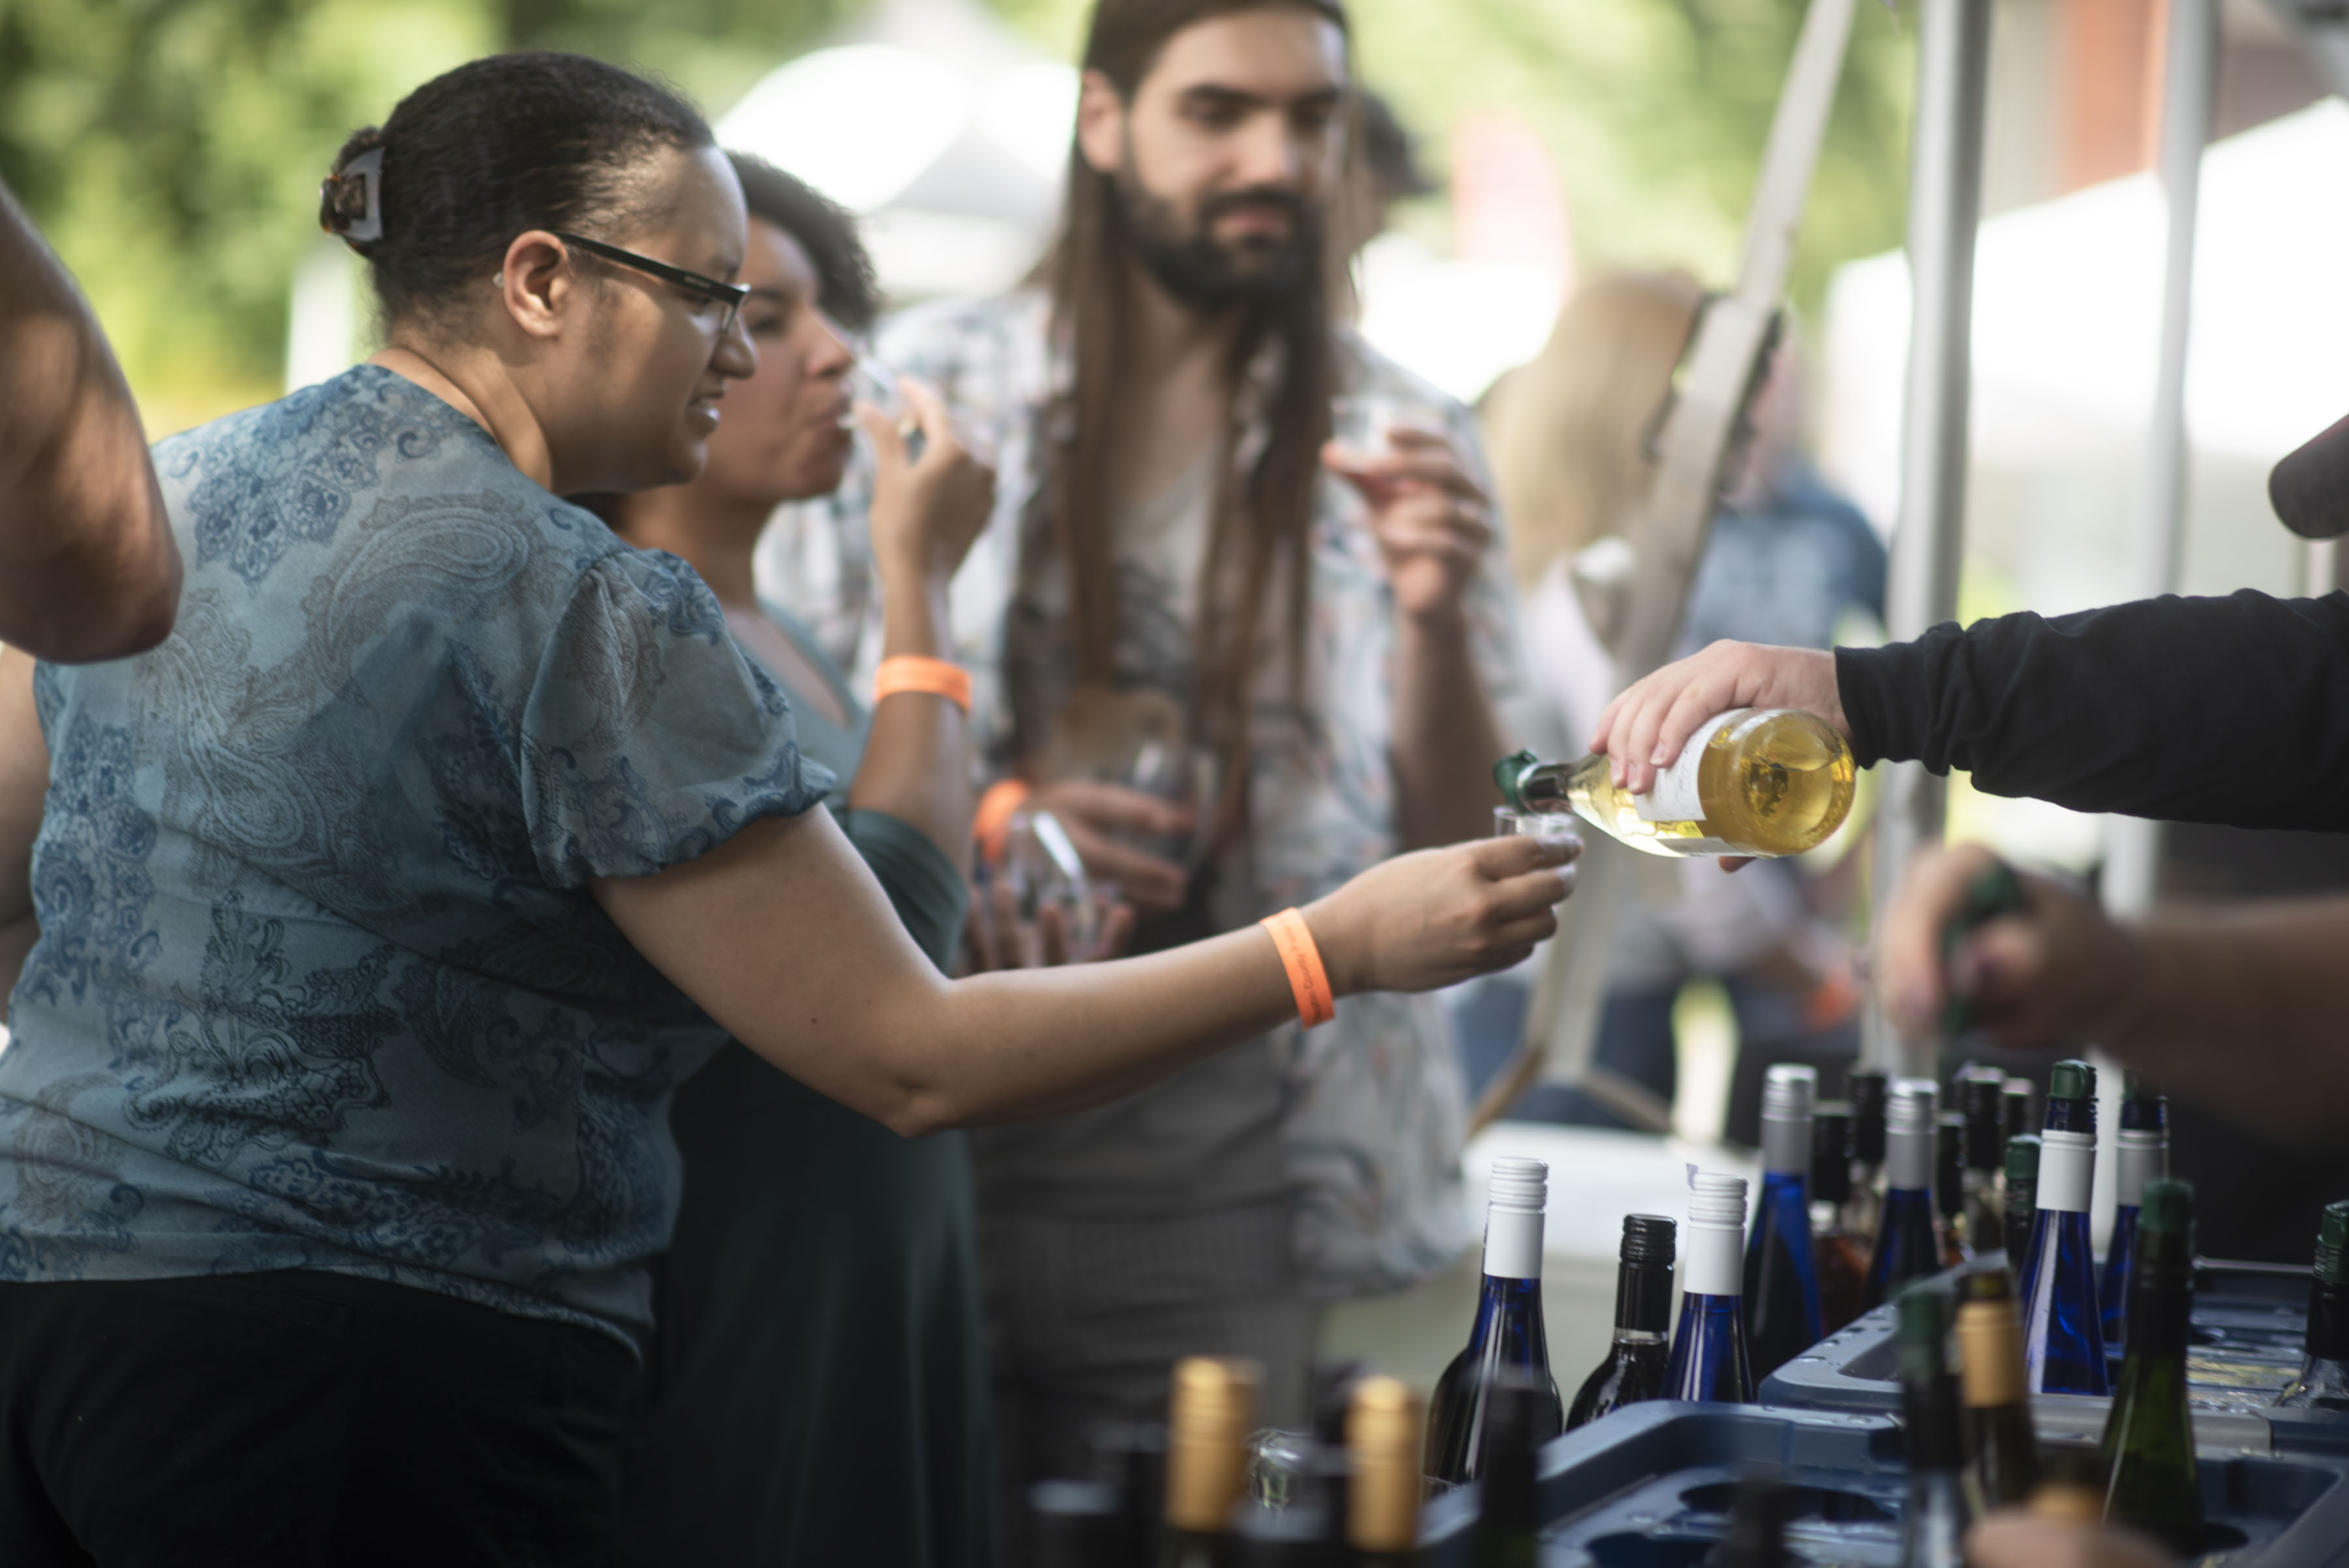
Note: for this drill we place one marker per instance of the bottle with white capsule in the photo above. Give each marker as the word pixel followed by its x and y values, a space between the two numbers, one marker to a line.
pixel 1709 1355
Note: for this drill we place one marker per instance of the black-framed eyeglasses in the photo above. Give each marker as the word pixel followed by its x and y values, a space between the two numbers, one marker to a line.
pixel 730 296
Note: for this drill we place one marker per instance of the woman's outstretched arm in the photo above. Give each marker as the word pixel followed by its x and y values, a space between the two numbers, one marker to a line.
pixel 783 937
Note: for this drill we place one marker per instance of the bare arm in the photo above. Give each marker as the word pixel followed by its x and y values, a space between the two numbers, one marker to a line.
pixel 926 514
pixel 1432 525
pixel 782 936
pixel 87 569
pixel 2240 1009
pixel 23 787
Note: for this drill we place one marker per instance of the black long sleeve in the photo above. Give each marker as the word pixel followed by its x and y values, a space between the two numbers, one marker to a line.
pixel 2232 710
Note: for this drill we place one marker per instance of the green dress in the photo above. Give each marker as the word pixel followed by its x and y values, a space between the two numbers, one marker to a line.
pixel 817 1391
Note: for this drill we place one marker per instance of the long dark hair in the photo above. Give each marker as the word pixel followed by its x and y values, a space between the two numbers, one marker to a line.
pixel 1263 516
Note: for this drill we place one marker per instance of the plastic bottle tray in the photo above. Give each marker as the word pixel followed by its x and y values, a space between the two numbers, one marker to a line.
pixel 1649 1486
pixel 2247 1346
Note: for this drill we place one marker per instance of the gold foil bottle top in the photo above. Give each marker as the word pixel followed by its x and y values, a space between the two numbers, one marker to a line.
pixel 2066 1502
pixel 1209 1417
pixel 1382 1445
pixel 1990 1350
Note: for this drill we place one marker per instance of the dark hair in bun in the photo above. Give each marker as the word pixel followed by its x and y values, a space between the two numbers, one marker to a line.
pixel 824 228
pixel 502 145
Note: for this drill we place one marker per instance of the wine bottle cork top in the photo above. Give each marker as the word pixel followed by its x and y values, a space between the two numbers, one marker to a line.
pixel 1788 1091
pixel 1650 1239
pixel 2072 1080
pixel 1212 1410
pixel 2023 1158
pixel 2168 1205
pixel 1913 1106
pixel 1991 1284
pixel 1921 1338
pixel 1831 1152
pixel 1382 1443
pixel 2066 1502
pixel 1520 1184
pixel 1989 1341
pixel 1716 1199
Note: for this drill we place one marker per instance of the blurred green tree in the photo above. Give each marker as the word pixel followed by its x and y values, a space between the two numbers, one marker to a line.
pixel 171 149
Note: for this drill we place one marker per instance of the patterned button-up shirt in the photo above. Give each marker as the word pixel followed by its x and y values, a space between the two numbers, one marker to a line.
pixel 1373 1118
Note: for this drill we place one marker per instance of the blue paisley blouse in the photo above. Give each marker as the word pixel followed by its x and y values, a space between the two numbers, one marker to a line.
pixel 320 983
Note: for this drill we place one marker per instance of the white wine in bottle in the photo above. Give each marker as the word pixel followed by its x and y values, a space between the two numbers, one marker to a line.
pixel 1752 781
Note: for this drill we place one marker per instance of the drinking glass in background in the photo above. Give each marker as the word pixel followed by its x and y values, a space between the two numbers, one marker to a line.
pixel 1363 424
pixel 1181 775
pixel 1039 871
pixel 868 382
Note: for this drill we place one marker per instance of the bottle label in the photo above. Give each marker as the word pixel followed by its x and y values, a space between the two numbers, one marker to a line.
pixel 1715 1262
pixel 1673 797
pixel 2067 1169
pixel 1513 1244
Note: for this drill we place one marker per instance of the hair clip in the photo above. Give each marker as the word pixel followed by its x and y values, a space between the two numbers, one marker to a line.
pixel 368 169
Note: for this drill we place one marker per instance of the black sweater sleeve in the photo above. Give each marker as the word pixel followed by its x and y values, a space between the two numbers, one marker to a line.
pixel 2232 710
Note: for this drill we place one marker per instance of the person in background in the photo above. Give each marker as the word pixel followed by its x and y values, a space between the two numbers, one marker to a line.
pixel 1787 558
pixel 87 569
pixel 833 1413
pixel 1180 565
pixel 376 914
pixel 1381 168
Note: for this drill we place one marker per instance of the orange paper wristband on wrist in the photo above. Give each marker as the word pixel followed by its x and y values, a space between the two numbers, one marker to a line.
pixel 990 825
pixel 933 675
pixel 1307 981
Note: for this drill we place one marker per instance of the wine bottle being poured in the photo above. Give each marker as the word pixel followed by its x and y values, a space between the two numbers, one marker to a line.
pixel 1752 781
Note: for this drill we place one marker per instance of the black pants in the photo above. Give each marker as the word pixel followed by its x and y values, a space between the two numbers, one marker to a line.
pixel 299 1419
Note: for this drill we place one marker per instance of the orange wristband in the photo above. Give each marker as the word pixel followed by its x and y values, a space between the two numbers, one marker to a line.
pixel 933 675
pixel 990 825
pixel 1307 981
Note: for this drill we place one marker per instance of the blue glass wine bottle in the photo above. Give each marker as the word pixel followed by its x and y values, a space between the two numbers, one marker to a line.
pixel 1906 1246
pixel 2062 1326
pixel 1509 1331
pixel 1782 1278
pixel 1709 1355
pixel 2143 1140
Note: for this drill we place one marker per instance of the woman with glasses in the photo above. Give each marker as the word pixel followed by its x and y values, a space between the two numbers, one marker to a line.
pixel 839 1414
pixel 369 921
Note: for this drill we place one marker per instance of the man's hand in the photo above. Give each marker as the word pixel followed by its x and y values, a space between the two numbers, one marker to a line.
pixel 1431 521
pixel 1646 725
pixel 1100 817
pixel 2057 973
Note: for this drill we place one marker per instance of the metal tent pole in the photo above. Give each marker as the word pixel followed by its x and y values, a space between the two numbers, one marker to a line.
pixel 2189 74
pixel 1944 211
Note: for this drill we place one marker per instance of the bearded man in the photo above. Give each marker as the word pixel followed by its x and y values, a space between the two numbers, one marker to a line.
pixel 1186 581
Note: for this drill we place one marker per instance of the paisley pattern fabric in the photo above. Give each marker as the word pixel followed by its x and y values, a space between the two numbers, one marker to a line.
pixel 320 983
pixel 1374 1116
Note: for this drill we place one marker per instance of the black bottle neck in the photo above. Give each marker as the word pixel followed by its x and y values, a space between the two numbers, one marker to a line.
pixel 2328 1320
pixel 2161 1296
pixel 1643 1299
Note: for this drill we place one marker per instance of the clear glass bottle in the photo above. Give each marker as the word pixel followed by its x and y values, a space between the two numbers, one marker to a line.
pixel 1383 1440
pixel 2149 1443
pixel 2063 1323
pixel 2323 1380
pixel 2019 1195
pixel 2002 1450
pixel 1752 780
pixel 1840 1257
pixel 1949 1189
pixel 1210 1415
pixel 1508 1334
pixel 1708 1357
pixel 1866 1090
pixel 1781 1279
pixel 2143 1155
pixel 1982 1094
pixel 1636 1361
pixel 1935 1513
pixel 1906 1246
